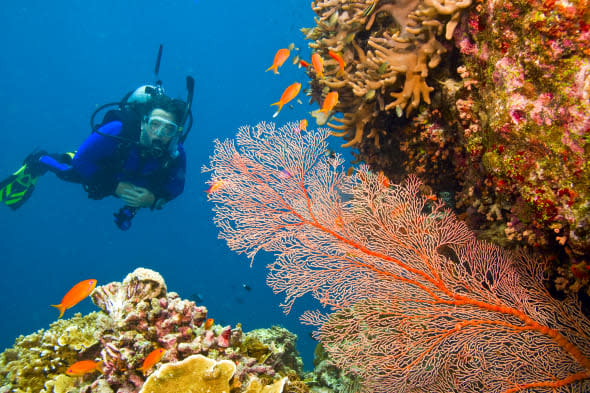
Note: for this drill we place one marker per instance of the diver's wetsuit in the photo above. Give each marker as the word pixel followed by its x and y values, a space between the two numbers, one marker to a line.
pixel 101 162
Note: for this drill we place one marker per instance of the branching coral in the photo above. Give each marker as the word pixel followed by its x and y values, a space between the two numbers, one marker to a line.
pixel 389 48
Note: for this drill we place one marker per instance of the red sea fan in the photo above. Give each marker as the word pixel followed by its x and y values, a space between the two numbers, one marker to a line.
pixel 414 302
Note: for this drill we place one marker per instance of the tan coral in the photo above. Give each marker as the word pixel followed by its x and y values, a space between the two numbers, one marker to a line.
pixel 151 282
pixel 389 48
pixel 195 374
pixel 449 7
pixel 355 121
pixel 256 386
pixel 415 64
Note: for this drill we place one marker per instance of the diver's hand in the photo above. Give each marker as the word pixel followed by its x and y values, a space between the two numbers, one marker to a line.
pixel 135 196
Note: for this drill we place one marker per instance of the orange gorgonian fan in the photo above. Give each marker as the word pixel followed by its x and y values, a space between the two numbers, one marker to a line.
pixel 412 301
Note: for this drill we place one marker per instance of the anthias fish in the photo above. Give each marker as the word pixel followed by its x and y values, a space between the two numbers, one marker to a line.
pixel 83 367
pixel 216 185
pixel 290 92
pixel 329 102
pixel 318 65
pixel 75 295
pixel 151 359
pixel 341 63
pixel 303 125
pixel 280 57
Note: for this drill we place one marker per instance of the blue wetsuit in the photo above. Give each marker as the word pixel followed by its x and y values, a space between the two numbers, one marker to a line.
pixel 102 161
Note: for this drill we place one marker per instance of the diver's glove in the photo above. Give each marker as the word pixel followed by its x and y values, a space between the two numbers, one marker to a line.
pixel 135 196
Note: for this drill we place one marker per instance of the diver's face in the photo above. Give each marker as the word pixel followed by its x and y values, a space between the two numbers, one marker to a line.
pixel 159 127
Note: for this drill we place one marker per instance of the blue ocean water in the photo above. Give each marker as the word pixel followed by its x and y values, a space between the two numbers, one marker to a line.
pixel 63 59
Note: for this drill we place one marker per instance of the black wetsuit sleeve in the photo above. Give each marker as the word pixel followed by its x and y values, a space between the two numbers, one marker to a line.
pixel 174 183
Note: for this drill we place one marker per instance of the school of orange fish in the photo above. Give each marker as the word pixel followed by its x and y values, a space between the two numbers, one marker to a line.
pixel 331 99
pixel 291 92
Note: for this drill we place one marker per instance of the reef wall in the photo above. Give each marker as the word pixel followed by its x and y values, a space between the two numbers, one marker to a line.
pixel 488 102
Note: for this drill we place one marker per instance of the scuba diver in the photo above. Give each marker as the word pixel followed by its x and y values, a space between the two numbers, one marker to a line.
pixel 136 154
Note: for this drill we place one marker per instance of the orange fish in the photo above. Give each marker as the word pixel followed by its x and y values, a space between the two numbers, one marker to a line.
pixel 75 295
pixel 208 323
pixel 151 359
pixel 280 57
pixel 303 125
pixel 84 367
pixel 216 185
pixel 290 92
pixel 303 63
pixel 383 179
pixel 340 61
pixel 318 64
pixel 329 102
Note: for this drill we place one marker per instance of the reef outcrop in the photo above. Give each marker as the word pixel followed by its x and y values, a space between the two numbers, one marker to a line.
pixel 488 102
pixel 139 315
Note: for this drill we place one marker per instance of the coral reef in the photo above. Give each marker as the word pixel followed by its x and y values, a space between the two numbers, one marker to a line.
pixel 327 377
pixel 506 133
pixel 274 346
pixel 139 315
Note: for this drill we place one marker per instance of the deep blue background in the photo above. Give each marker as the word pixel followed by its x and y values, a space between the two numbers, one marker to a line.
pixel 60 60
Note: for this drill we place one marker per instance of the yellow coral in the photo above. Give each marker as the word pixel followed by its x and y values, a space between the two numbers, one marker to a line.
pixel 195 374
pixel 60 384
pixel 41 356
pixel 256 386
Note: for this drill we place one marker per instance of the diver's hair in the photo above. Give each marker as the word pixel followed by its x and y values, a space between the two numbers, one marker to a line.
pixel 174 106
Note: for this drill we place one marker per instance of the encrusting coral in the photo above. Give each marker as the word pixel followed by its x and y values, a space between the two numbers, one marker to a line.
pixel 138 316
pixel 524 119
pixel 195 374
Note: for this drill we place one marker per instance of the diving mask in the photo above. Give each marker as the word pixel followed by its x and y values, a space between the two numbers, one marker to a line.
pixel 162 127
